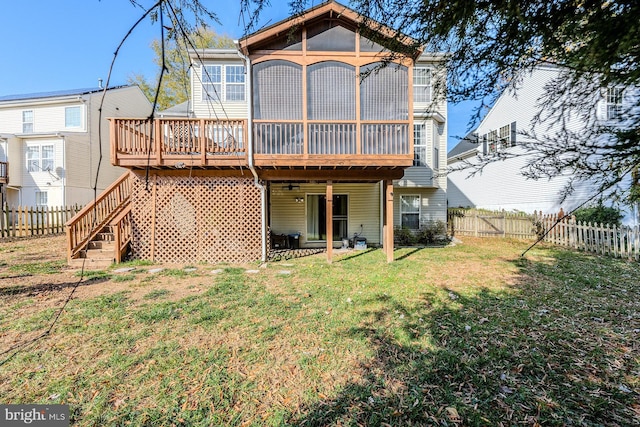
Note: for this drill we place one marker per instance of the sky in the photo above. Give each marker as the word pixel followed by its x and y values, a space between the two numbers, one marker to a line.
pixel 51 45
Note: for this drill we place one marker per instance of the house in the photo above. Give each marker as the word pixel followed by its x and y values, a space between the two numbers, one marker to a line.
pixel 287 143
pixel 506 127
pixel 50 143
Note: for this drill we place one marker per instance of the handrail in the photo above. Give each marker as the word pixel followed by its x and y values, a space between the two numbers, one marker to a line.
pixel 94 216
pixel 122 231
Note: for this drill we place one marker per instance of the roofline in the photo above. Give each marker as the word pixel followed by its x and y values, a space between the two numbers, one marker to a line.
pixel 318 10
pixel 56 96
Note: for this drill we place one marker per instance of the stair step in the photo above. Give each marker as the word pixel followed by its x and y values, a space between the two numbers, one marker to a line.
pixel 90 264
pixel 102 244
pixel 108 237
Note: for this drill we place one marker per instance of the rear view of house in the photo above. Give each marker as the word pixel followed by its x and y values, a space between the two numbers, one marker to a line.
pixel 310 133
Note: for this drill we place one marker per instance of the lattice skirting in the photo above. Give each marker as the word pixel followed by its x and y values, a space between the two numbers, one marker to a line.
pixel 185 219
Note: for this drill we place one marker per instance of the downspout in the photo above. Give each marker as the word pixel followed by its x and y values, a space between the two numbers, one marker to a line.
pixel 256 180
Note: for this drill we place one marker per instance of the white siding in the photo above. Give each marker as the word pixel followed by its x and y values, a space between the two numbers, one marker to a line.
pixel 501 185
pixel 46 118
pixel 76 150
pixel 433 204
pixel 212 109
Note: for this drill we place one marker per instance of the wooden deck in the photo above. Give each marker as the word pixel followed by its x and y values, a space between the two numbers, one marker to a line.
pixel 222 144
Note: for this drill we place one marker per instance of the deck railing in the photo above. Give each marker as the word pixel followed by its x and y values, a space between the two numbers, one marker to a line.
pixel 223 143
pixel 165 142
pixel 332 140
pixel 96 215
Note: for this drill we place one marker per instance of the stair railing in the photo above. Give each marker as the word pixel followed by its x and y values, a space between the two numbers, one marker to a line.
pixel 87 223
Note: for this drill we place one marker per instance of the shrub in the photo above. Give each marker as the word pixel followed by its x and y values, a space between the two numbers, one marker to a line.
pixel 404 237
pixel 599 214
pixel 431 232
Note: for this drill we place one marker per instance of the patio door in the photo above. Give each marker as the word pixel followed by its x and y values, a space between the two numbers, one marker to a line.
pixel 317 217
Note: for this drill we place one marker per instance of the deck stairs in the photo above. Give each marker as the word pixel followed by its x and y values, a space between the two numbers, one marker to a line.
pixel 100 233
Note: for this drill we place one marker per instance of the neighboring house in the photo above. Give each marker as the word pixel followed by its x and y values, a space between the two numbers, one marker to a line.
pixel 51 143
pixel 284 144
pixel 506 126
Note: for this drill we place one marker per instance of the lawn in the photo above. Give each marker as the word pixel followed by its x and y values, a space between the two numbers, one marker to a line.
pixel 465 335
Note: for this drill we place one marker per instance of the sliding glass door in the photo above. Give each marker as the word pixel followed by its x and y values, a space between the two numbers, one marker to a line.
pixel 317 217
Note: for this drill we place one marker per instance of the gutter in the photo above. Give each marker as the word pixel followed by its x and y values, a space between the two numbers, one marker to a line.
pixel 256 179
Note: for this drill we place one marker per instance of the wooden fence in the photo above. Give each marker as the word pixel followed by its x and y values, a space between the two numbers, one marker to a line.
pixel 24 221
pixel 621 242
pixel 481 223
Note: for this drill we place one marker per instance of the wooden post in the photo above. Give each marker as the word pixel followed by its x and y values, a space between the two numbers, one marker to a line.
pixel 388 232
pixel 153 217
pixel 203 143
pixel 329 215
pixel 158 141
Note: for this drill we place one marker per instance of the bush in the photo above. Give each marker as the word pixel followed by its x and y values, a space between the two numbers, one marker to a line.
pixel 404 237
pixel 432 232
pixel 599 214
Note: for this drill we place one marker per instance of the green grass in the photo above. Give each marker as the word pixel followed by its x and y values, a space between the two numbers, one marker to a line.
pixel 466 335
pixel 49 267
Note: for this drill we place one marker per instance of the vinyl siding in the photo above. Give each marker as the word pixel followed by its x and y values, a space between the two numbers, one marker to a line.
pixel 46 118
pixel 433 204
pixel 287 216
pixel 213 109
pixel 501 185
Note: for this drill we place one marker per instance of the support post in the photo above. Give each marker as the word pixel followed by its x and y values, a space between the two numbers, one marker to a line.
pixel 329 215
pixel 388 231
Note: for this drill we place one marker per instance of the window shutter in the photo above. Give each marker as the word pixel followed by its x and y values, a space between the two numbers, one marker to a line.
pixel 484 144
pixel 513 133
pixel 601 109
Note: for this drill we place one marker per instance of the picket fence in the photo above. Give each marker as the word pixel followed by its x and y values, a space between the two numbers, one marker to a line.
pixel 24 221
pixel 620 242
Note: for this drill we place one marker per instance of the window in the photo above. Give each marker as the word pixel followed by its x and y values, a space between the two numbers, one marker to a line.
pixel 72 118
pixel 419 144
pixel 421 84
pixel 317 217
pixel 614 103
pixel 41 198
pixel 40 158
pixel 410 212
pixel 492 141
pixel 220 82
pixel 504 137
pixel 27 121
pixel 211 82
pixel 234 80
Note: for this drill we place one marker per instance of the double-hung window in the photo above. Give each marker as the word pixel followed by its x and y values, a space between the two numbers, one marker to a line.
pixel 614 103
pixel 234 83
pixel 42 198
pixel 504 137
pixel 72 117
pixel 27 121
pixel 40 158
pixel 492 141
pixel 223 82
pixel 410 212
pixel 421 84
pixel 419 144
pixel 211 82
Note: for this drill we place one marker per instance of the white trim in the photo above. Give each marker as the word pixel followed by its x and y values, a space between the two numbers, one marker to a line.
pixel 419 196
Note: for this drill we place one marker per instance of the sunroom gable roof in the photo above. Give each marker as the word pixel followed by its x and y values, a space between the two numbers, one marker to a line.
pixel 336 11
